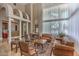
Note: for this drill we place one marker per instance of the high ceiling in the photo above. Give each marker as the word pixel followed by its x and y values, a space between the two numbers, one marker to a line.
pixel 48 5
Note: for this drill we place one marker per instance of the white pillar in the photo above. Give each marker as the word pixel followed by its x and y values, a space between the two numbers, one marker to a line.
pixel 20 30
pixel 27 27
pixel 9 29
pixel 1 38
pixel 31 18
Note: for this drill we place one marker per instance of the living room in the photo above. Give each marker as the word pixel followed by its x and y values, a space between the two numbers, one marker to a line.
pixel 51 30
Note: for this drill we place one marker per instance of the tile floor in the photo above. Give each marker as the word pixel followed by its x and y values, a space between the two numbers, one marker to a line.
pixel 5 50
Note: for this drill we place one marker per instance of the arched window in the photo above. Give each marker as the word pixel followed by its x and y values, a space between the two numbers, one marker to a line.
pixel 3 12
pixel 24 15
pixel 16 12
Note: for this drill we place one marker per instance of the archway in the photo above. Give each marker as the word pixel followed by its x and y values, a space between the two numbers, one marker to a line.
pixel 10 15
pixel 25 24
pixel 16 12
pixel 3 24
pixel 5 12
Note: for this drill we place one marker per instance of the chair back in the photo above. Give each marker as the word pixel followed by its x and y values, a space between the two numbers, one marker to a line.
pixel 23 46
pixel 47 37
pixel 34 36
pixel 63 50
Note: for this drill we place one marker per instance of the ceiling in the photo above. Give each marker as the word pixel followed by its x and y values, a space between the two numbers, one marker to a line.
pixel 48 5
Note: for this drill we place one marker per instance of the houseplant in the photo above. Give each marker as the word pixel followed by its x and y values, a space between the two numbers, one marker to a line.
pixel 61 35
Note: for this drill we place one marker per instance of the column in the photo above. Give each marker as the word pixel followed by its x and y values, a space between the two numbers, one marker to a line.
pixel 20 30
pixel 9 30
pixel 31 18
pixel 1 29
pixel 27 27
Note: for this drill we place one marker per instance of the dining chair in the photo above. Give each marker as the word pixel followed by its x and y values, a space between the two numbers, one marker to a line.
pixel 26 50
pixel 16 43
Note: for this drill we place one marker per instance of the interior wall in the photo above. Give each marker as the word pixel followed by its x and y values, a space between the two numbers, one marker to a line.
pixel 15 28
pixel 37 13
pixel 28 9
pixel 20 6
pixel 2 14
pixel 74 28
pixel 73 25
pixel 37 16
pixel 13 25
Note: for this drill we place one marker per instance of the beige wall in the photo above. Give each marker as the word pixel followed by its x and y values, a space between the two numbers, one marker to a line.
pixel 28 9
pixel 20 6
pixel 36 13
pixel 37 16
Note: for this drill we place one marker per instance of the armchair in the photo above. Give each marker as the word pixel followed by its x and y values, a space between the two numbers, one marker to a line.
pixel 26 50
pixel 47 37
pixel 63 50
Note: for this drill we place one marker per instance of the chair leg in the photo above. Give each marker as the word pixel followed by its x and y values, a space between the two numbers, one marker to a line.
pixel 11 47
pixel 16 48
pixel 21 54
pixel 51 51
pixel 42 46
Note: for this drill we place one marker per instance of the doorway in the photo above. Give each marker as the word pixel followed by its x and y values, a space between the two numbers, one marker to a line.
pixel 24 28
pixel 4 30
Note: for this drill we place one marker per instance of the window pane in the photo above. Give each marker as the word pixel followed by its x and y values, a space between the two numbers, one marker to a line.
pixel 55 27
pixel 46 27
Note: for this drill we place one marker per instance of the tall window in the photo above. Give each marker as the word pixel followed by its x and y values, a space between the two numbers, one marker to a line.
pixel 55 27
pixel 52 20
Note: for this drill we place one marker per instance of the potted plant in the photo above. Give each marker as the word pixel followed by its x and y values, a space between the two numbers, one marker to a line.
pixel 61 35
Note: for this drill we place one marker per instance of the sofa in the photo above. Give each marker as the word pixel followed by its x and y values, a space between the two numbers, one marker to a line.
pixel 63 50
